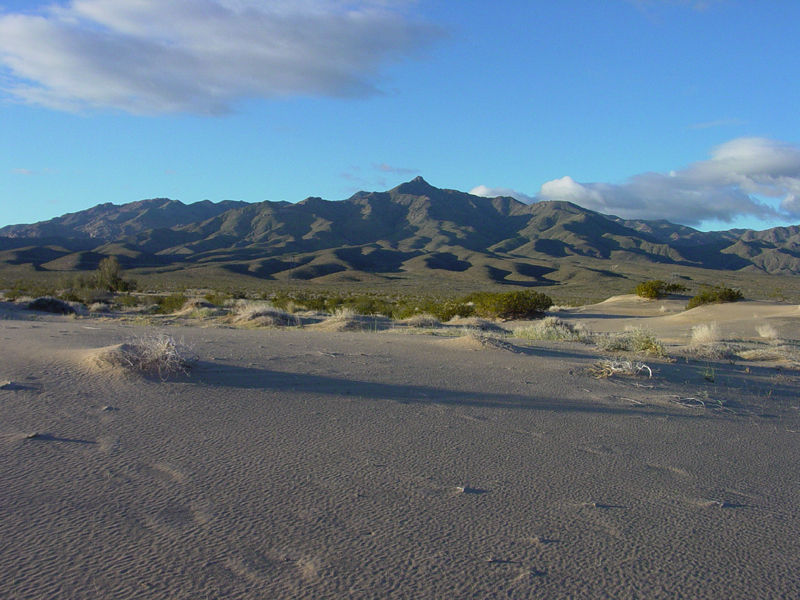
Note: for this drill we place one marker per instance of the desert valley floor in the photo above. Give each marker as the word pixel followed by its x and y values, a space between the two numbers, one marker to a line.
pixel 312 464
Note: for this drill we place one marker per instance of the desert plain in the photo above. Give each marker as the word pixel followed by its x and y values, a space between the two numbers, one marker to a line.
pixel 386 463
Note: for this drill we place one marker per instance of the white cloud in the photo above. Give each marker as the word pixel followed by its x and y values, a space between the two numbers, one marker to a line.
pixel 732 183
pixel 200 56
pixel 488 192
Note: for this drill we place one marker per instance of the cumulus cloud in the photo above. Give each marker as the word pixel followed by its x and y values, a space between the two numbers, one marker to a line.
pixel 494 192
pixel 734 182
pixel 200 56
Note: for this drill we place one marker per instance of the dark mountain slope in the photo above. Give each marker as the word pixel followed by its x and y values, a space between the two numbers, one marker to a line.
pixel 414 229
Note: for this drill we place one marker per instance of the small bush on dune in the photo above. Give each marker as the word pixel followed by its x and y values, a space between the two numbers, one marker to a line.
pixel 510 305
pixel 655 289
pixel 51 305
pixel 633 339
pixel 554 329
pixel 170 304
pixel 714 295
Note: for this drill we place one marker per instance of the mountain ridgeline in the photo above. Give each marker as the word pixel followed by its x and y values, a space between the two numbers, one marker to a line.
pixel 412 230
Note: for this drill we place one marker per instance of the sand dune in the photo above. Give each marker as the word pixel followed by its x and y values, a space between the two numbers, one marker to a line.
pixel 319 464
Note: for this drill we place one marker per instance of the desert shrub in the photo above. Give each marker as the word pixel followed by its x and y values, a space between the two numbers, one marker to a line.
pixel 130 301
pixel 510 305
pixel 52 305
pixel 633 339
pixel 109 276
pixel 655 289
pixel 553 328
pixel 157 352
pixel 217 298
pixel 714 295
pixel 170 304
pixel 446 310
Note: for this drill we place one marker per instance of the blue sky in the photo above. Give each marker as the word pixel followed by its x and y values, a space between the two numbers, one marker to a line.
pixel 677 109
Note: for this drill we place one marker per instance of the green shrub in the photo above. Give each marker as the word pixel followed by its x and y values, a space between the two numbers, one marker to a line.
pixel 170 304
pixel 217 298
pixel 714 295
pixel 655 289
pixel 510 305
pixel 51 304
pixel 109 276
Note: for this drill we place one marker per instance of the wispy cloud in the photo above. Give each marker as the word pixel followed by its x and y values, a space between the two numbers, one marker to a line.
pixel 730 184
pixel 201 56
pixel 22 172
pixel 384 168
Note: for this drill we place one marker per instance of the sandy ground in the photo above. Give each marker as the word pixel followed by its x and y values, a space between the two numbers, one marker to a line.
pixel 313 464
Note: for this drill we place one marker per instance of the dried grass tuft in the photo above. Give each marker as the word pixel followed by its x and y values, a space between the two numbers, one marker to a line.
pixel 262 314
pixel 153 353
pixel 707 342
pixel 633 339
pixel 768 332
pixel 609 367
pixel 423 321
pixel 554 329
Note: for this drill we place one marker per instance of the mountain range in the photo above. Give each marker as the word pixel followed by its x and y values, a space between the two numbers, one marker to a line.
pixel 413 229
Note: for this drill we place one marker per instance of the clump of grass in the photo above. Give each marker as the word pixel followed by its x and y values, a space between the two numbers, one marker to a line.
pixel 99 307
pixel 477 323
pixel 773 354
pixel 262 314
pixel 554 329
pixel 343 313
pixel 423 321
pixel 157 352
pixel 608 367
pixel 707 342
pixel 768 332
pixel 343 318
pixel 634 339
